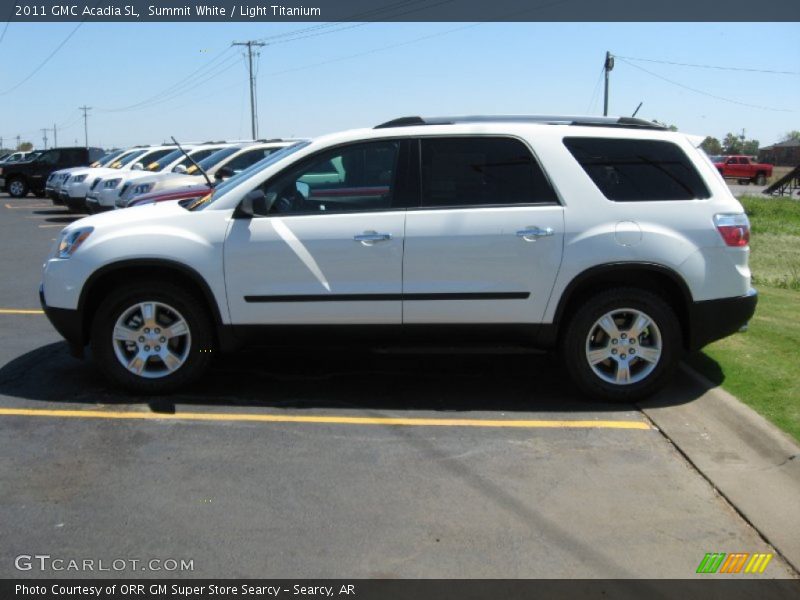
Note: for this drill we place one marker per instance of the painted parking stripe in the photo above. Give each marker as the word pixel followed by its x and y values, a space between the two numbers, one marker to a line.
pixel 324 419
pixel 30 206
pixel 20 311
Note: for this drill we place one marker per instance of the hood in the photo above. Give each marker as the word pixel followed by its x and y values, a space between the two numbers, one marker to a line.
pixel 129 216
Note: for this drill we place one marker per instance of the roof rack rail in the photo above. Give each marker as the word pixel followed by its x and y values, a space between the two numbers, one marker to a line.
pixel 628 122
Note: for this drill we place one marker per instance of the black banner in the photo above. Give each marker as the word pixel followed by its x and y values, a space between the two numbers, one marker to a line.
pixel 402 10
pixel 711 588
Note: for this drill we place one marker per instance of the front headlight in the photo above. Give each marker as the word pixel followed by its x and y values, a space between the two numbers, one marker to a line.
pixel 142 188
pixel 79 178
pixel 111 183
pixel 72 240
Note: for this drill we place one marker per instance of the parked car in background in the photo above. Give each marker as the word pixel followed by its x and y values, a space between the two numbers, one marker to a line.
pixel 20 178
pixel 611 240
pixel 180 158
pixel 218 166
pixel 106 186
pixel 58 178
pixel 743 168
pixel 17 157
pixel 191 192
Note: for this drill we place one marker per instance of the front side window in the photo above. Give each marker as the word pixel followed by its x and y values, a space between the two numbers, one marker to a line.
pixel 351 179
pixel 481 171
pixel 630 170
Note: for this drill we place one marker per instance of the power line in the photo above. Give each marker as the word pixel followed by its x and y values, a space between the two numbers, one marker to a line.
pixel 45 61
pixel 716 67
pixel 593 98
pixel 188 79
pixel 696 91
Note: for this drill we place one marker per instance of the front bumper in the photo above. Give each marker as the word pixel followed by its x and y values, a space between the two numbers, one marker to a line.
pixel 93 206
pixel 67 322
pixel 712 320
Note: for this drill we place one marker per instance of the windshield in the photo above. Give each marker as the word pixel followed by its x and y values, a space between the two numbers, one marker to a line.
pixel 235 180
pixel 125 159
pixel 107 159
pixel 209 162
pixel 164 161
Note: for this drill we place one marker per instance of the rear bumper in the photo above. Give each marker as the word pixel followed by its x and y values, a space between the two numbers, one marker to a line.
pixel 712 320
pixel 67 322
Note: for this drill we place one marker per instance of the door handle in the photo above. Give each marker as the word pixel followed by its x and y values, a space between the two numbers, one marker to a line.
pixel 532 233
pixel 368 238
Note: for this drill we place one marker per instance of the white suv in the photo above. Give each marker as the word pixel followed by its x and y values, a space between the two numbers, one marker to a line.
pixel 613 239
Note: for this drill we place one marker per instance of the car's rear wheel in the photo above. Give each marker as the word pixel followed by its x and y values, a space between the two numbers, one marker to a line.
pixel 622 345
pixel 152 337
pixel 18 188
pixel 761 179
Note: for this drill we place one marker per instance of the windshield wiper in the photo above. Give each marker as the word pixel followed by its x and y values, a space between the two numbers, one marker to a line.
pixel 191 160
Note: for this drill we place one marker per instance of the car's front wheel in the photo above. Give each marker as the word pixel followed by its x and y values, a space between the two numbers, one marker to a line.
pixel 622 345
pixel 18 188
pixel 152 338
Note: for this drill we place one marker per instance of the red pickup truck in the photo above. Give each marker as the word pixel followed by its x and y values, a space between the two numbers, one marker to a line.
pixel 743 168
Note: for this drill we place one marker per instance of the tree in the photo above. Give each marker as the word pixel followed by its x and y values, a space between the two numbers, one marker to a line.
pixel 711 145
pixel 25 147
pixel 750 147
pixel 793 135
pixel 732 144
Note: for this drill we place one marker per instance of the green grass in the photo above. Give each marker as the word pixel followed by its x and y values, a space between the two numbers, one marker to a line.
pixel 775 242
pixel 762 366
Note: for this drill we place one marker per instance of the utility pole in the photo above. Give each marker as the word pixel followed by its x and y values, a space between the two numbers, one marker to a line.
pixel 85 108
pixel 1 142
pixel 250 44
pixel 18 136
pixel 44 137
pixel 55 136
pixel 609 65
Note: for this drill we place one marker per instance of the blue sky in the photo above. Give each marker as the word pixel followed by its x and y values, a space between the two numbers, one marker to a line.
pixel 402 69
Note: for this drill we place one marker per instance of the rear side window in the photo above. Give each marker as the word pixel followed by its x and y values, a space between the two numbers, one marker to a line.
pixel 481 171
pixel 637 170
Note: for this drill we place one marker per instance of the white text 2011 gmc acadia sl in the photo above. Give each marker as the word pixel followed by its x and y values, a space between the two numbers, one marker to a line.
pixel 613 239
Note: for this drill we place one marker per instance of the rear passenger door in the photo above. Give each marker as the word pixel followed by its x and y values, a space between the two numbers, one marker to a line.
pixel 485 243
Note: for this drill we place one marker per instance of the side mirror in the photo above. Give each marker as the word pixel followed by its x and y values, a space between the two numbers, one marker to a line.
pixel 224 173
pixel 137 167
pixel 179 169
pixel 254 204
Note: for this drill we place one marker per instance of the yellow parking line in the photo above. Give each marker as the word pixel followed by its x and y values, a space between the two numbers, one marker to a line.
pixel 62 225
pixel 29 206
pixel 20 311
pixel 272 418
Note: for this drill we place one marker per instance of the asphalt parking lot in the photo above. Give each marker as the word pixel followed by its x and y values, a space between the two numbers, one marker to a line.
pixel 326 463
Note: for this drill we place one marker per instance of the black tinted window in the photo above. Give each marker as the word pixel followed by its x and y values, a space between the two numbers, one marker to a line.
pixel 481 171
pixel 637 170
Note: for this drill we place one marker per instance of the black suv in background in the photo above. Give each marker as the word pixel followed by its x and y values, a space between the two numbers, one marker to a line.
pixel 29 176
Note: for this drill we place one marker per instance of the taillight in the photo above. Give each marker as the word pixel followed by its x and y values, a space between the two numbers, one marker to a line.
pixel 734 228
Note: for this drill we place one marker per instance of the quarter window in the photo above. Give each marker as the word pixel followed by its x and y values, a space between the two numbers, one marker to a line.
pixel 481 171
pixel 354 178
pixel 637 170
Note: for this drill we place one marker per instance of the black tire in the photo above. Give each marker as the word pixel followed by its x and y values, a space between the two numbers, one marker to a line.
pixel 761 179
pixel 199 350
pixel 17 187
pixel 582 324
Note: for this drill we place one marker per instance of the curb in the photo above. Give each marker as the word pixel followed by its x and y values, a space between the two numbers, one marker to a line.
pixel 754 465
